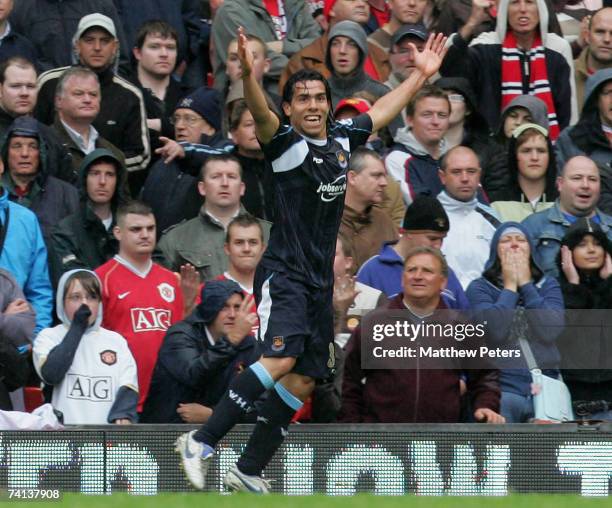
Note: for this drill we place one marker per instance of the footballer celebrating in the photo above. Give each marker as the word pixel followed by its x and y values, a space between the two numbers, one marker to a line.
pixel 308 156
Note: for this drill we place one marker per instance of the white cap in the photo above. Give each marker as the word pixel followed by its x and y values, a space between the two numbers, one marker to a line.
pixel 95 20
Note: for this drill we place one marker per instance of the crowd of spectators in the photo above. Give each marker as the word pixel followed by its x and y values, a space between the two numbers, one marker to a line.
pixel 136 202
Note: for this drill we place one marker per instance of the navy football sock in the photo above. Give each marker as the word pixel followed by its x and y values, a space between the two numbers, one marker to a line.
pixel 270 430
pixel 239 398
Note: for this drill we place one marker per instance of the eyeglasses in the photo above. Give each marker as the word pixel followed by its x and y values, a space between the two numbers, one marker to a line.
pixel 190 120
pixel 455 97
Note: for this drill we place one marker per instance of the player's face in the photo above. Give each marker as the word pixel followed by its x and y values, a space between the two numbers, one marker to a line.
pixel 136 234
pixel 462 175
pixel 77 296
pixel 516 117
pixel 227 316
pixel 157 55
pixel 370 183
pixel 588 254
pixel 97 48
pixel 309 109
pixel 222 185
pixel 344 55
pixel 23 156
pixel 244 248
pixel 101 182
pixel 189 126
pixel 422 279
pixel 244 135
pixel 18 93
pixel 342 263
pixel 532 158
pixel 429 122
pixel 80 99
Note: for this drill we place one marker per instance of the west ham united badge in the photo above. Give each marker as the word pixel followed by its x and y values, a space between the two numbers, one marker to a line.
pixel 342 160
pixel 108 357
pixel 278 343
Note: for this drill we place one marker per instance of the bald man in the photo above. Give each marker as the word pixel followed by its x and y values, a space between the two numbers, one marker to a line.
pixel 579 188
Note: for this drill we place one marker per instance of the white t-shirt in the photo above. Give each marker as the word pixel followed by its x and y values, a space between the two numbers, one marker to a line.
pixel 102 364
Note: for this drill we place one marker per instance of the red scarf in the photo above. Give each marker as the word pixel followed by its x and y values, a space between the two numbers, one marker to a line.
pixel 539 86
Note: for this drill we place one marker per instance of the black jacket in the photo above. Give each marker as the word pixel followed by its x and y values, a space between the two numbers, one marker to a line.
pixel 122 119
pixel 190 369
pixel 259 189
pixel 15 44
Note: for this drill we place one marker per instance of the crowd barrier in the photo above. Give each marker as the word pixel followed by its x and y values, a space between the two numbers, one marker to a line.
pixel 460 459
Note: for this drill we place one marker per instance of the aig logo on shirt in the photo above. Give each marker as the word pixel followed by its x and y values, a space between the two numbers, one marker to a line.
pixel 89 388
pixel 330 191
pixel 150 319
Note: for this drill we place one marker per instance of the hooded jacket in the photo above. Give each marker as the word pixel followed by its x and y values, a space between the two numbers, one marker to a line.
pixel 346 86
pixel 192 369
pixel 480 61
pixel 409 395
pixel 495 176
pixel 488 296
pixel 97 378
pixel 50 198
pixel 81 240
pixel 591 292
pixel 511 202
pixel 587 136
pixel 24 255
pixel 413 167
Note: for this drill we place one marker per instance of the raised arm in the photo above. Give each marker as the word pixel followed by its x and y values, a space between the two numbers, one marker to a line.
pixel 427 63
pixel 266 122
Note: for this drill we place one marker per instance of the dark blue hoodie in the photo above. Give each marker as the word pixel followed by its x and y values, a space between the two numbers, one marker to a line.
pixel 495 303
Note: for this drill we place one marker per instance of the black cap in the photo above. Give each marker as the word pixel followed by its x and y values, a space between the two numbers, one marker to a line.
pixel 426 214
pixel 417 30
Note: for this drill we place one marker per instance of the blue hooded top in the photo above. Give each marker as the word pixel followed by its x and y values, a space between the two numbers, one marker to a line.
pixel 495 305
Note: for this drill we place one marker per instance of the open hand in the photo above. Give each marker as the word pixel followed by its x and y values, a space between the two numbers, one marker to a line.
pixel 606 269
pixel 344 293
pixel 245 56
pixel 568 267
pixel 429 60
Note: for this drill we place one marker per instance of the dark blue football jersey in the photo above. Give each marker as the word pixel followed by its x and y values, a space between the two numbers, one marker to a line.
pixel 309 186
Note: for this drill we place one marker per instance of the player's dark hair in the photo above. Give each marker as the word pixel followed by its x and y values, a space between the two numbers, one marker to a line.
pixel 89 282
pixel 302 76
pixel 134 207
pixel 243 220
pixel 17 61
pixel 221 157
pixel 155 27
pixel 358 160
pixel 415 251
pixel 425 92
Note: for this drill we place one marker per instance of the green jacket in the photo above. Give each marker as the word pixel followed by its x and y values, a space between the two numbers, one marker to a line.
pixel 198 241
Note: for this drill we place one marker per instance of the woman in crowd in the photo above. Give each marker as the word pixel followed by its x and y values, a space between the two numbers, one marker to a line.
pixel 91 369
pixel 532 174
pixel 585 267
pixel 513 281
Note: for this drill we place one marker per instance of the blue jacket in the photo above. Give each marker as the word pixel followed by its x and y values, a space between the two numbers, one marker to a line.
pixel 24 255
pixel 384 272
pixel 496 304
pixel 546 230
